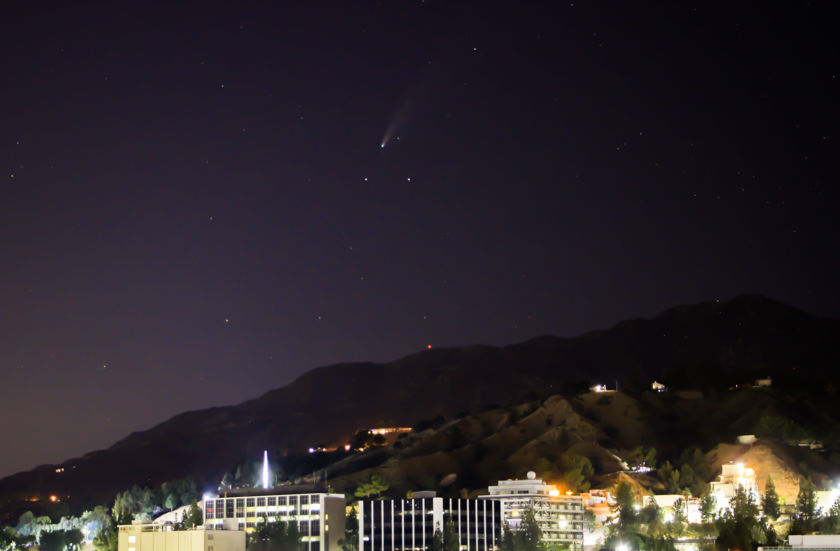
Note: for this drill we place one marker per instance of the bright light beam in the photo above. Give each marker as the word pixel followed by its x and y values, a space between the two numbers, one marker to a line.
pixel 265 470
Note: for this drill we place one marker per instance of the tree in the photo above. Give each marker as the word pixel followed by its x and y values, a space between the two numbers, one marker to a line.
pixel 530 534
pixel 73 539
pixel 687 478
pixel 51 541
pixel 194 516
pixel 642 457
pixel 106 539
pixel 171 502
pixel 134 503
pixel 7 539
pixel 651 517
pixel 350 541
pixel 806 516
pixel 831 521
pixel 625 502
pixel 275 536
pixel 507 543
pixel 96 520
pixel 670 477
pixel 740 527
pixel 528 537
pixel 770 501
pixel 450 536
pixel 360 440
pixel 578 470
pixel 374 486
pixel 678 520
pixel 708 506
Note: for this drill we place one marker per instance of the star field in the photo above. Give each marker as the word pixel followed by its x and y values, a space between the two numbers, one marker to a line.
pixel 201 202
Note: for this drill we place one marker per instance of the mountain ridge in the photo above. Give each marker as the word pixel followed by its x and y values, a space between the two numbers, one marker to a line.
pixel 702 345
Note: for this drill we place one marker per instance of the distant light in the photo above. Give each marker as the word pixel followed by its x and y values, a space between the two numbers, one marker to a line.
pixel 428 347
pixel 53 498
pixel 382 146
pixel 208 495
pixel 311 450
pixel 347 447
pixel 554 493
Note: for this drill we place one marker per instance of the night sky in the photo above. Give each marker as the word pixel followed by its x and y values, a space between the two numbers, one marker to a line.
pixel 196 206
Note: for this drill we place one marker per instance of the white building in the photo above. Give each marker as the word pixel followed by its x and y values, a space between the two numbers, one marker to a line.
pixel 733 475
pixel 560 517
pixel 810 543
pixel 157 537
pixel 410 524
pixel 319 516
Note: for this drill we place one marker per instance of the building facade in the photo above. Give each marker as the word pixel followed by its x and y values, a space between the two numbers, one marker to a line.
pixel 156 537
pixel 410 524
pixel 732 477
pixel 560 517
pixel 319 516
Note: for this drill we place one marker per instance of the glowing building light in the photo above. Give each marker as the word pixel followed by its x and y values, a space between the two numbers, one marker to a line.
pixel 265 470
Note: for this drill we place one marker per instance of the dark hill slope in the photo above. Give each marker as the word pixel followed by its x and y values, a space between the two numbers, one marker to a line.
pixel 710 345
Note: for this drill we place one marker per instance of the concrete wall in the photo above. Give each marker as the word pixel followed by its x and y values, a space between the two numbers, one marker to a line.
pixel 334 510
pixel 140 539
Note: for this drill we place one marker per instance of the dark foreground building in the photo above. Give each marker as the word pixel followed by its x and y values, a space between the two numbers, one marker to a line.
pixel 410 524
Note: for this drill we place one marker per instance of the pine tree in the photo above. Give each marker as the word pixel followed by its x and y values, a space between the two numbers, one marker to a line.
pixel 806 508
pixel 770 501
pixel 350 541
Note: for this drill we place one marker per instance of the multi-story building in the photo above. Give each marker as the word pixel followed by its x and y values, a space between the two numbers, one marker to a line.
pixel 157 537
pixel 319 515
pixel 560 517
pixel 410 524
pixel 733 476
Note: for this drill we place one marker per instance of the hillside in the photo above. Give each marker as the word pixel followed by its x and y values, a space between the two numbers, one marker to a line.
pixel 469 452
pixel 709 346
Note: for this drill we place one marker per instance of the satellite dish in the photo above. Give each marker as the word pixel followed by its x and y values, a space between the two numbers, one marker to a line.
pixel 531 475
